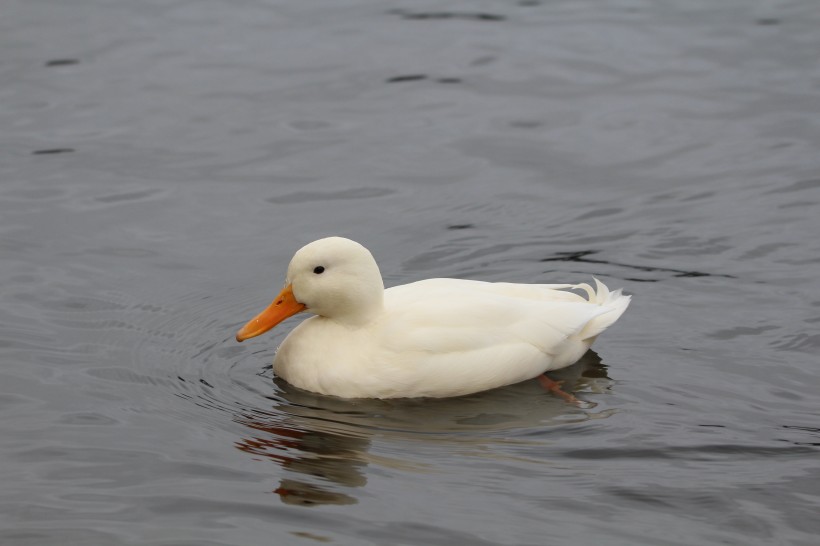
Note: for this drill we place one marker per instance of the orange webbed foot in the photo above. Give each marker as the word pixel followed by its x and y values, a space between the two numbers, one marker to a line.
pixel 555 388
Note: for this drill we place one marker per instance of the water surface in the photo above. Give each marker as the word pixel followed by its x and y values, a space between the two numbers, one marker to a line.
pixel 161 161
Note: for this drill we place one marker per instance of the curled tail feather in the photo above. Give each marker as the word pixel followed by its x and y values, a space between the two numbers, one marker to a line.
pixel 614 303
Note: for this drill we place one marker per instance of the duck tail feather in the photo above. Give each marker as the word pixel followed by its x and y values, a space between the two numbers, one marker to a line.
pixel 614 303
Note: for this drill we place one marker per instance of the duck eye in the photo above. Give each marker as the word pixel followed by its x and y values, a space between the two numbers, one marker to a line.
pixel 319 270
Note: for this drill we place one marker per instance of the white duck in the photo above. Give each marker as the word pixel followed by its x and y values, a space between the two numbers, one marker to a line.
pixel 437 337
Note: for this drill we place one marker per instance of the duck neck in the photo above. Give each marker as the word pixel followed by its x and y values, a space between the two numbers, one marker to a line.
pixel 363 312
pixel 364 299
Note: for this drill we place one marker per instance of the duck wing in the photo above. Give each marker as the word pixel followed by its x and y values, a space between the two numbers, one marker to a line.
pixel 475 335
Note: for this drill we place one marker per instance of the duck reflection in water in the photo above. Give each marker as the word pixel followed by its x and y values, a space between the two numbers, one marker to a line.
pixel 325 456
pixel 323 443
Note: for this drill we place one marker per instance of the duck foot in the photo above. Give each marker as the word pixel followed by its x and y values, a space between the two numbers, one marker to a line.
pixel 555 388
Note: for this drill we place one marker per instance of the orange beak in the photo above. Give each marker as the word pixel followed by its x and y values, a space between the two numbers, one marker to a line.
pixel 284 306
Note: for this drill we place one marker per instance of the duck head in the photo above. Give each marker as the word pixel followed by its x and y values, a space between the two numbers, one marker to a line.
pixel 334 278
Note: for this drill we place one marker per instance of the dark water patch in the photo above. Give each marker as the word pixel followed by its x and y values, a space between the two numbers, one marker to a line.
pixel 422 533
pixel 484 419
pixel 406 78
pixel 85 418
pixel 211 512
pixel 798 204
pixel 62 62
pixel 447 15
pixel 811 444
pixel 305 125
pixel 781 145
pixel 580 256
pixel 58 535
pixel 311 536
pixel 814 259
pixel 767 21
pixel 526 124
pixel 597 213
pixel 460 226
pixel 763 250
pixel 801 185
pixel 641 496
pixel 483 60
pixel 53 151
pixel 699 196
pixel 312 196
pixel 812 432
pixel 802 342
pixel 739 331
pixel 128 196
pixel 700 504
pixel 420 77
pixel 690 453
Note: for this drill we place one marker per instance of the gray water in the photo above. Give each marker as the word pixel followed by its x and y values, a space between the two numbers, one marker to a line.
pixel 160 161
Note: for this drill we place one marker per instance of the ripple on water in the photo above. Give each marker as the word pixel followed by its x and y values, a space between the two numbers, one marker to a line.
pixel 313 196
